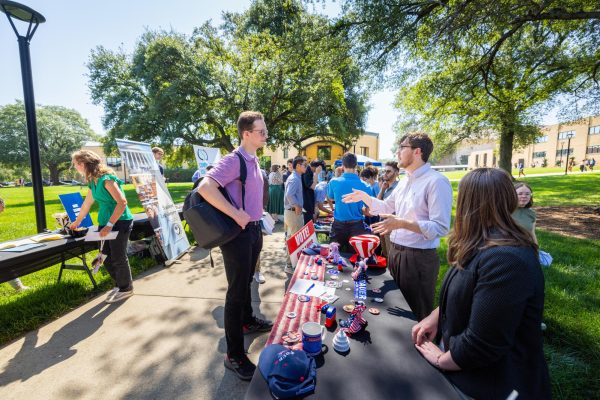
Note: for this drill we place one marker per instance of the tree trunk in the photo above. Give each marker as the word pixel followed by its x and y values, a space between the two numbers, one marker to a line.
pixel 507 135
pixel 54 174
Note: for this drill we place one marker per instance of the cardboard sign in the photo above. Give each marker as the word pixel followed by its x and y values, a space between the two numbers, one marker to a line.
pixel 300 241
pixel 72 203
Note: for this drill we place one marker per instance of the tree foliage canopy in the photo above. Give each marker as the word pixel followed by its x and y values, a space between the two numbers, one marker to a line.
pixel 61 131
pixel 469 68
pixel 275 58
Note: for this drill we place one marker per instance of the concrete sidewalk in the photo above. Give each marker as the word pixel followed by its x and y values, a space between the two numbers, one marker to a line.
pixel 166 342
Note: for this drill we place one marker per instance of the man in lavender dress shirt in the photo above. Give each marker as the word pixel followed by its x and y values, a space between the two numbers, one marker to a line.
pixel 241 254
pixel 422 202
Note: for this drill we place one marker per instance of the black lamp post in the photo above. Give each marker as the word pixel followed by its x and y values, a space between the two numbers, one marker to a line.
pixel 20 12
pixel 569 136
pixel 562 146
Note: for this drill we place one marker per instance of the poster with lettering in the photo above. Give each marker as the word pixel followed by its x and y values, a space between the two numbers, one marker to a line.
pixel 301 240
pixel 155 197
pixel 72 203
pixel 205 156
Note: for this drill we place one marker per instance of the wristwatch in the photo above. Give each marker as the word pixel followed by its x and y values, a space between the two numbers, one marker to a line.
pixel 109 224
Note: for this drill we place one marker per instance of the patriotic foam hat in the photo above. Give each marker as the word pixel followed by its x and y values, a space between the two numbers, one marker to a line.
pixel 365 245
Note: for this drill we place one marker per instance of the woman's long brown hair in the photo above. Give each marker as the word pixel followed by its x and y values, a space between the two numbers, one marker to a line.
pixel 486 200
pixel 94 167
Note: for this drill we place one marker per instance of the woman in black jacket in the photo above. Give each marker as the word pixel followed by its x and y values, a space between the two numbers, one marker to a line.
pixel 491 300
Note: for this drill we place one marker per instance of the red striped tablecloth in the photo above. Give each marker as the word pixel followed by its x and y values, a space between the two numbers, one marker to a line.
pixel 305 311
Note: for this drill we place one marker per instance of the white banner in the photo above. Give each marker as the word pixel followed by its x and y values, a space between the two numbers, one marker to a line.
pixel 206 156
pixel 155 197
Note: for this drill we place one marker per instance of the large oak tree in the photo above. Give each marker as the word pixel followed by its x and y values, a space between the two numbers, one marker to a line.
pixel 61 131
pixel 471 67
pixel 275 58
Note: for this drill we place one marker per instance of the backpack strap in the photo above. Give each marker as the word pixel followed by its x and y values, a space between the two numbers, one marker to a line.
pixel 243 174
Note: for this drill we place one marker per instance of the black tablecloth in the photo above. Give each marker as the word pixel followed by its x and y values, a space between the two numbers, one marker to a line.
pixel 383 362
pixel 13 265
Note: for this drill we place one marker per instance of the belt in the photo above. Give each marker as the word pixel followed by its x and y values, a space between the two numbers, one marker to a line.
pixel 348 222
pixel 254 223
pixel 402 248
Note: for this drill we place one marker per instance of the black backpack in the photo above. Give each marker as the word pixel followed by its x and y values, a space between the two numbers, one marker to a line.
pixel 211 227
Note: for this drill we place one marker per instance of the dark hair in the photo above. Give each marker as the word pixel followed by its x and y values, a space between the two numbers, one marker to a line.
pixel 368 173
pixel 419 140
pixel 484 207
pixel 290 160
pixel 523 184
pixel 393 164
pixel 246 120
pixel 349 160
pixel 315 163
pixel 297 160
pixel 274 167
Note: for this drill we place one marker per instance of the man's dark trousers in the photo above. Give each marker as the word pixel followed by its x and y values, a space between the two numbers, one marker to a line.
pixel 240 257
pixel 415 271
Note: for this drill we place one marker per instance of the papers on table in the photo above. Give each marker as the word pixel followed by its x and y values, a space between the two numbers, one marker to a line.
pixel 94 236
pixel 23 247
pixel 308 287
pixel 47 237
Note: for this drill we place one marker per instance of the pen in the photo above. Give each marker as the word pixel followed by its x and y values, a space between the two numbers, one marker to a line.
pixel 310 287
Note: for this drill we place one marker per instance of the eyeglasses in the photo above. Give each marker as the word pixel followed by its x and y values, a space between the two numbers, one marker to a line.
pixel 388 171
pixel 263 132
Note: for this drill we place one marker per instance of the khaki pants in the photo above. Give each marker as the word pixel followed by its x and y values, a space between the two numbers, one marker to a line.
pixel 293 223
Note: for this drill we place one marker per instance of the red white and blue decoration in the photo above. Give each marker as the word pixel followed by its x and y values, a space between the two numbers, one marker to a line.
pixel 365 246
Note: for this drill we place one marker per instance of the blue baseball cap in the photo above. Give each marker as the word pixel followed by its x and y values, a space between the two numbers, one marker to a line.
pixel 289 373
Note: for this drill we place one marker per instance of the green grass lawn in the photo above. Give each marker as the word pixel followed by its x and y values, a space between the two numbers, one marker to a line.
pixel 18 219
pixel 515 172
pixel 572 307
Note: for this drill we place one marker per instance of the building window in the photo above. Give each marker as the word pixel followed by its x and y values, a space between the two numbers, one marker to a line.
pixel 539 154
pixel 114 163
pixel 324 152
pixel 476 160
pixel 364 151
pixel 595 130
pixel 485 159
pixel 542 139
pixel 565 135
pixel 563 152
pixel 593 149
pixel 286 153
pixel 464 160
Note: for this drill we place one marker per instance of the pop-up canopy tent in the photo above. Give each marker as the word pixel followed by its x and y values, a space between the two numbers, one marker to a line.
pixel 361 161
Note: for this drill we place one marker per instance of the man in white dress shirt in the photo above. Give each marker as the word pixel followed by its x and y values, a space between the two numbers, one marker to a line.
pixel 422 202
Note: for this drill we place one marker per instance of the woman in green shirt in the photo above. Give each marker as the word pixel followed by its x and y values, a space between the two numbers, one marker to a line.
pixel 113 215
pixel 524 215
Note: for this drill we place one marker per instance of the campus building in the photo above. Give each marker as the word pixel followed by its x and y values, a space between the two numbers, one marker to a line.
pixel 326 150
pixel 580 139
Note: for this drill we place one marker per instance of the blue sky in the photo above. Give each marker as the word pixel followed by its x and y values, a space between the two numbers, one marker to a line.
pixel 62 45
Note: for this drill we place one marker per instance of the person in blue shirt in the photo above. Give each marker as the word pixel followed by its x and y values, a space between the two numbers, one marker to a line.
pixel 293 202
pixel 348 219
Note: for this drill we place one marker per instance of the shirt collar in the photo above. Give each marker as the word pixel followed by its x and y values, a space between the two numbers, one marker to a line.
pixel 350 175
pixel 419 171
pixel 246 156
